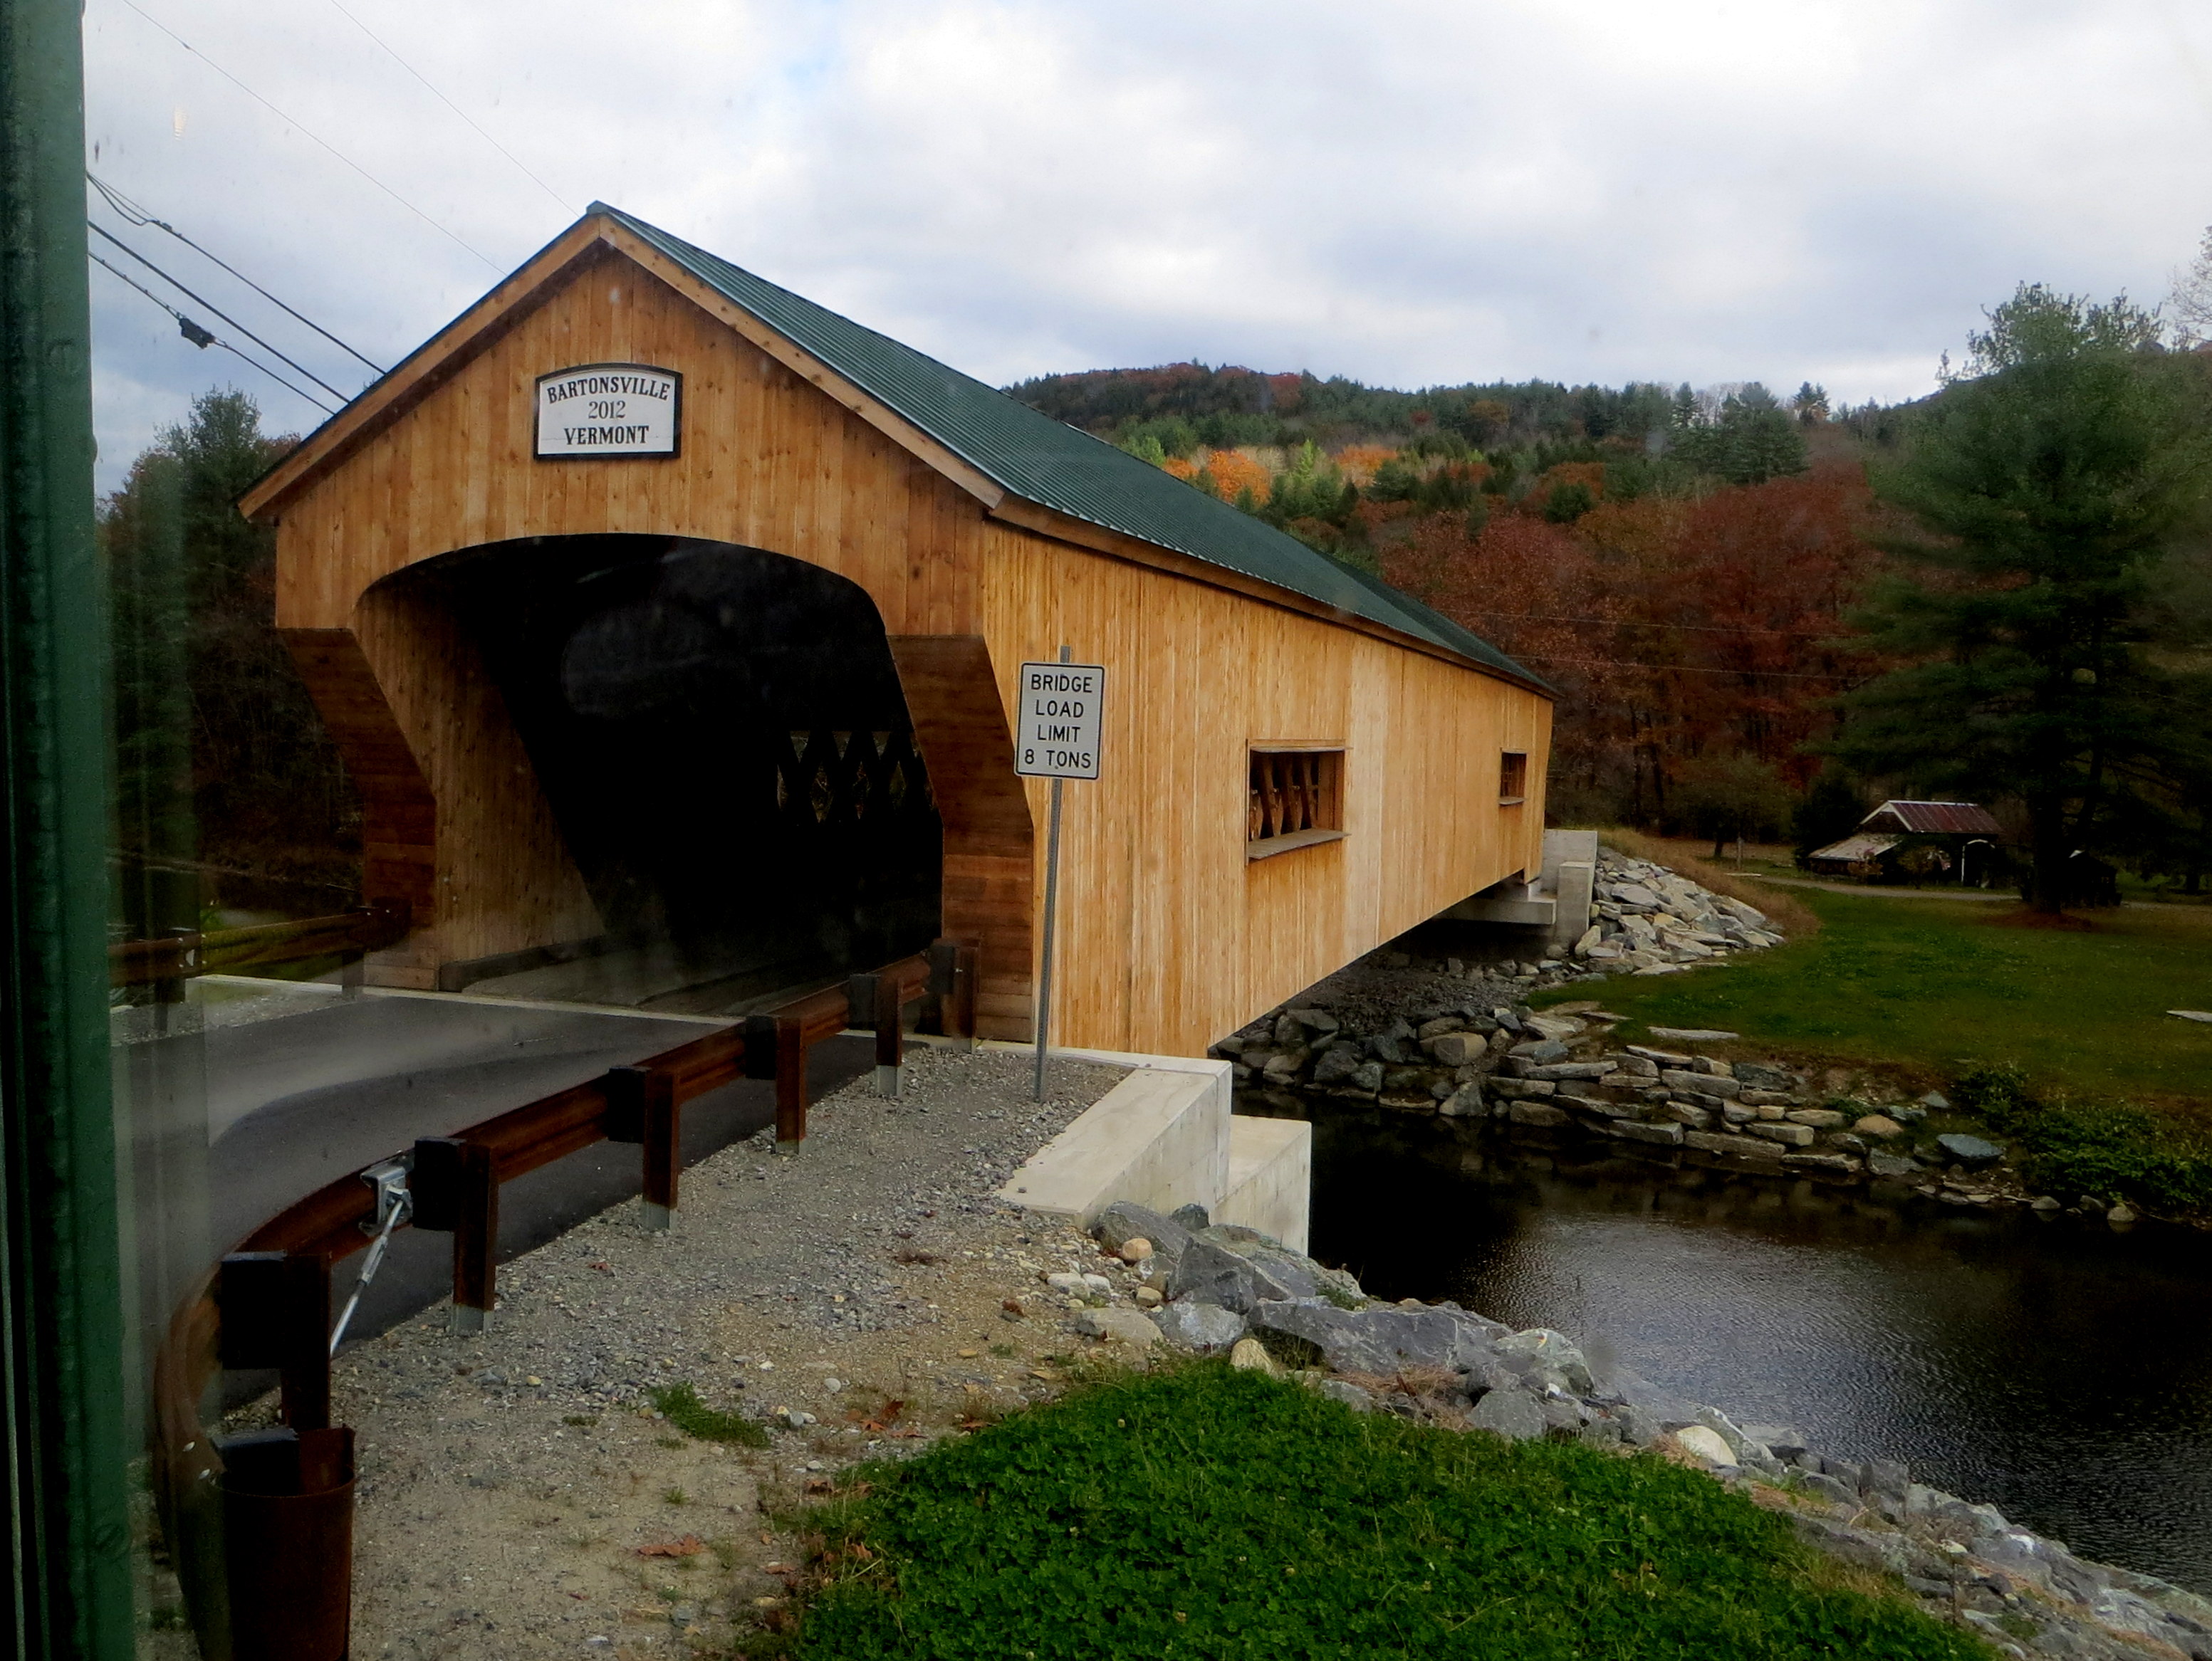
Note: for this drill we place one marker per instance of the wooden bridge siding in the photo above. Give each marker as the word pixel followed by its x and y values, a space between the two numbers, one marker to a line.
pixel 504 879
pixel 1170 937
pixel 768 461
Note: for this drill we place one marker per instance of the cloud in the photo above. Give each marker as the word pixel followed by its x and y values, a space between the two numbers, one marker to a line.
pixel 1411 191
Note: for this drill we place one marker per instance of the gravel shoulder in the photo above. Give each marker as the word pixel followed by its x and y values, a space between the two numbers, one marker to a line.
pixel 520 1498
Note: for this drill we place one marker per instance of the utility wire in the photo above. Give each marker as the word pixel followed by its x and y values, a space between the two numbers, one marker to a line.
pixel 1694 628
pixel 140 216
pixel 1679 669
pixel 565 205
pixel 202 299
pixel 203 338
pixel 310 132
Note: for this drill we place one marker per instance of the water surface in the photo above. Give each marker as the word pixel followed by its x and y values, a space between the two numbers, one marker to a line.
pixel 2060 1370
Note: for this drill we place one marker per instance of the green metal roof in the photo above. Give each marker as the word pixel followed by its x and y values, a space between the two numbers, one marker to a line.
pixel 1060 467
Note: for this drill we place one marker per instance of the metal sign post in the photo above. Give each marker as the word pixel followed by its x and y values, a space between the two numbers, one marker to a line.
pixel 1061 723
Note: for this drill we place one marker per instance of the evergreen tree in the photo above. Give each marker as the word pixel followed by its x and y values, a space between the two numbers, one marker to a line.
pixel 1830 810
pixel 1569 501
pixel 216 737
pixel 2049 481
pixel 1751 439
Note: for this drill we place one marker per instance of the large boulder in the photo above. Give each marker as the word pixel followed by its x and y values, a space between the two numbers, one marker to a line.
pixel 1706 1444
pixel 1971 1151
pixel 1119 1325
pixel 1206 1328
pixel 1338 1062
pixel 1125 1221
pixel 1237 1268
pixel 1554 1351
pixel 1513 1413
pixel 1383 1338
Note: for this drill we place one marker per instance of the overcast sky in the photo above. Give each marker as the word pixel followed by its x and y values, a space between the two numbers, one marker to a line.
pixel 1407 192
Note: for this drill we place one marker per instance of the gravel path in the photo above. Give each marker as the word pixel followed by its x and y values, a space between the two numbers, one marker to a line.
pixel 508 1480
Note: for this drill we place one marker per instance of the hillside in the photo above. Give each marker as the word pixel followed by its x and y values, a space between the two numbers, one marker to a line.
pixel 1678 564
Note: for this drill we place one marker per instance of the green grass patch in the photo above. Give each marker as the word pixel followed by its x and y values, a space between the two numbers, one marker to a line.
pixel 1207 1513
pixel 680 1405
pixel 2106 1150
pixel 1936 985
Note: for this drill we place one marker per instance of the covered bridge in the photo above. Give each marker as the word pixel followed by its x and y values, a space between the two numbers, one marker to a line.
pixel 656 609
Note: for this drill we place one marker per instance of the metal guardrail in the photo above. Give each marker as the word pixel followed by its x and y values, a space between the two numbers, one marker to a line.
pixel 267 1303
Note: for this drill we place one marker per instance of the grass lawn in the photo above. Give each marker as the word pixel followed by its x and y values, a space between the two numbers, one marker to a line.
pixel 1944 985
pixel 1204 1512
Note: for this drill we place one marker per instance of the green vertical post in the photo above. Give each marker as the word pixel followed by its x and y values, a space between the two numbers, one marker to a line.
pixel 68 1588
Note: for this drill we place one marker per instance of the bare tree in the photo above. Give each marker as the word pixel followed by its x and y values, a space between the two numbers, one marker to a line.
pixel 2189 311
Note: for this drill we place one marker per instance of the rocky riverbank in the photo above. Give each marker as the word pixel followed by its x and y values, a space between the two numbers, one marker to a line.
pixel 1227 1290
pixel 1421 1037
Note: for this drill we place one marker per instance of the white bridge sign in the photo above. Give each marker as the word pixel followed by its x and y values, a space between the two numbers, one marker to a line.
pixel 1061 719
pixel 610 410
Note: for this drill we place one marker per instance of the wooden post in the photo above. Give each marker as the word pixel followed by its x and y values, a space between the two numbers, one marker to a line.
pixel 663 1138
pixel 775 1047
pixel 874 999
pixel 790 1087
pixel 476 1239
pixel 455 1187
pixel 641 1107
pixel 967 977
pixel 891 1035
pixel 951 991
pixel 275 1310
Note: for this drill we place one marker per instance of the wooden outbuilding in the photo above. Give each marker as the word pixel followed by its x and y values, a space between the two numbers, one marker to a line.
pixel 655 608
pixel 1907 841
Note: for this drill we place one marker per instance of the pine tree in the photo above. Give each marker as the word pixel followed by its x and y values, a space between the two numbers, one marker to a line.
pixel 218 743
pixel 2050 480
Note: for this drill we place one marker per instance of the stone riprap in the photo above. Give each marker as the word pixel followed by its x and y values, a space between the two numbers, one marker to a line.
pixel 1648 920
pixel 1463 1045
pixel 1440 1364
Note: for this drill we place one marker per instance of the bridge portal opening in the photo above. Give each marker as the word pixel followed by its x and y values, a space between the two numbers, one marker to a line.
pixel 721 734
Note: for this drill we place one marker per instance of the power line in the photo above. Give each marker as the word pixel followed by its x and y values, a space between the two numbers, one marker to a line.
pixel 204 338
pixel 136 215
pixel 1696 628
pixel 556 196
pixel 201 299
pixel 1678 668
pixel 310 132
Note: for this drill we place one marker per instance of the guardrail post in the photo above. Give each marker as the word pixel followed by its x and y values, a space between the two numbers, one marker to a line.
pixel 641 1107
pixel 275 1311
pixel 776 1048
pixel 287 1542
pixel 952 965
pixel 456 1189
pixel 877 998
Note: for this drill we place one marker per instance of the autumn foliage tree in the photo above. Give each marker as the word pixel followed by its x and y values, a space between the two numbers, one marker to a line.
pixel 1677 631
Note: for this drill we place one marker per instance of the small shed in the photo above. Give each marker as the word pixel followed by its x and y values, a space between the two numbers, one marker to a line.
pixel 656 607
pixel 1901 840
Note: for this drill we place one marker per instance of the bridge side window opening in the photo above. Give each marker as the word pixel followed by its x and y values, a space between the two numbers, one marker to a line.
pixel 1512 778
pixel 1295 797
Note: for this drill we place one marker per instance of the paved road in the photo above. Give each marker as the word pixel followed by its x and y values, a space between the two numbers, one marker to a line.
pixel 234 1122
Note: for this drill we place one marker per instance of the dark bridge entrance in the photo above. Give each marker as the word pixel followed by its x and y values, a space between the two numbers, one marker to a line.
pixel 722 736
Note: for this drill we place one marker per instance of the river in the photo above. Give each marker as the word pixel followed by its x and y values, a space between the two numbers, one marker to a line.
pixel 2057 1368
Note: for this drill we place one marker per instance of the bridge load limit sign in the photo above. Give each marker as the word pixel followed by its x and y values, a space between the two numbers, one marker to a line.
pixel 1061 720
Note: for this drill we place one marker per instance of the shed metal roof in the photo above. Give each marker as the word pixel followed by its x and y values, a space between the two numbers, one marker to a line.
pixel 1934 818
pixel 1044 461
pixel 1854 849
